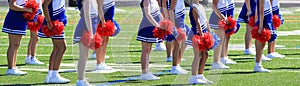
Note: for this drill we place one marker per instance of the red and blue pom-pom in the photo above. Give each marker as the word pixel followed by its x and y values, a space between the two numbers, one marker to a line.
pixel 222 24
pixel 264 36
pixel 35 26
pixel 58 28
pixel 203 42
pixel 107 30
pixel 251 21
pixel 91 42
pixel 164 30
pixel 34 6
pixel 232 23
pixel 181 34
pixel 276 21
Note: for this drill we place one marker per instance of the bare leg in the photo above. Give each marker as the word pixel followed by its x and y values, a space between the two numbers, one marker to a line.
pixel 59 48
pixel 225 49
pixel 196 61
pixel 32 43
pixel 145 56
pixel 14 43
pixel 169 46
pixel 182 48
pixel 82 61
pixel 203 62
pixel 271 47
pixel 100 52
pixel 259 50
pixel 218 50
pixel 176 52
pixel 248 37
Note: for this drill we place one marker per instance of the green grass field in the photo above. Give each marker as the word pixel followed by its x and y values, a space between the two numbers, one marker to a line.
pixel 125 52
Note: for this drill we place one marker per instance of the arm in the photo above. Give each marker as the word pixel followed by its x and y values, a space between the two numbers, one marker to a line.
pixel 100 11
pixel 196 17
pixel 46 13
pixel 261 14
pixel 13 5
pixel 215 9
pixel 248 5
pixel 164 9
pixel 86 14
pixel 172 9
pixel 146 4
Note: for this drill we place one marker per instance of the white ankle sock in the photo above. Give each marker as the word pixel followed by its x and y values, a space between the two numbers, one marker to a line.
pixel 28 57
pixel 49 73
pixel 174 67
pixel 200 75
pixel 257 64
pixel 54 72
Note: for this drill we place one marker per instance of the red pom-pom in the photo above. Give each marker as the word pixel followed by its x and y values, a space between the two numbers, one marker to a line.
pixel 107 30
pixel 58 28
pixel 232 23
pixel 222 24
pixel 181 34
pixel 35 26
pixel 203 42
pixel 91 42
pixel 264 36
pixel 166 24
pixel 251 21
pixel 34 6
pixel 276 21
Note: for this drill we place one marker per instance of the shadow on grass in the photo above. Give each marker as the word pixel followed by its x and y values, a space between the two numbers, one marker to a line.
pixel 5 65
pixel 32 84
pixel 252 59
pixel 242 72
pixel 115 82
pixel 173 85
pixel 235 54
pixel 285 68
pixel 291 54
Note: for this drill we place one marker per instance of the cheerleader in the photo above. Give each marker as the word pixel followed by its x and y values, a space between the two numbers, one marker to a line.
pixel 264 17
pixel 15 26
pixel 88 22
pixel 55 10
pixel 271 45
pixel 31 58
pixel 177 17
pixel 199 27
pixel 151 17
pixel 108 9
pixel 247 9
pixel 222 9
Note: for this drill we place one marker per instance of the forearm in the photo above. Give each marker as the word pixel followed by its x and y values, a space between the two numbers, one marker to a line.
pixel 216 11
pixel 86 14
pixel 15 7
pixel 100 10
pixel 261 13
pixel 46 11
pixel 248 5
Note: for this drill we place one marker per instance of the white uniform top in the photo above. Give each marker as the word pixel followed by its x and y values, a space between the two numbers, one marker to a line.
pixel 201 14
pixel 267 7
pixel 21 2
pixel 230 4
pixel 154 8
pixel 275 3
pixel 179 9
pixel 58 7
pixel 222 5
pixel 108 3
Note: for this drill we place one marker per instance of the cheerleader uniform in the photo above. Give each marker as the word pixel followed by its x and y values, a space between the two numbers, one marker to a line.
pixel 275 10
pixel 267 19
pixel 39 12
pixel 56 12
pixel 243 14
pixel 214 19
pixel 14 22
pixel 109 12
pixel 81 26
pixel 145 33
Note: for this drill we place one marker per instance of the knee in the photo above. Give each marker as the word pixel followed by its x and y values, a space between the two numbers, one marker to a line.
pixel 14 45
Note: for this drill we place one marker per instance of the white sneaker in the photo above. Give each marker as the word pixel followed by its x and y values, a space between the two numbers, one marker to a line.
pixel 204 79
pixel 275 55
pixel 57 79
pixel 219 65
pixel 195 80
pixel 264 58
pixel 148 76
pixel 249 51
pixel 169 59
pixel 35 61
pixel 160 47
pixel 106 57
pixel 15 72
pixel 178 70
pixel 93 56
pixel 103 66
pixel 227 61
pixel 83 83
pixel 260 69
pixel 27 60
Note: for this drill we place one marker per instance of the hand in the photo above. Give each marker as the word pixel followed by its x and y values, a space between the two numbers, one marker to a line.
pixel 102 21
pixel 28 10
pixel 50 25
pixel 248 12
